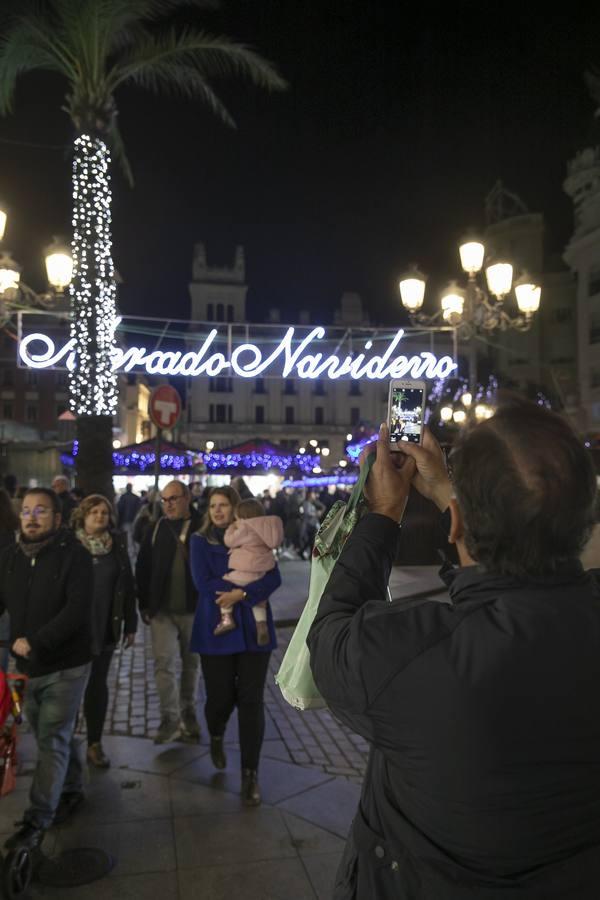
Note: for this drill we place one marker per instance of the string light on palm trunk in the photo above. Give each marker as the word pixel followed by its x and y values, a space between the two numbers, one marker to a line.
pixel 93 294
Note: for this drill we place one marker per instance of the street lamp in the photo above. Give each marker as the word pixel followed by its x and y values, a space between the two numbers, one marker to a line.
pixel 15 294
pixel 475 309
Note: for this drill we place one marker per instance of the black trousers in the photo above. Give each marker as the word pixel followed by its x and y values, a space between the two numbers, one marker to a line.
pixel 237 679
pixel 95 700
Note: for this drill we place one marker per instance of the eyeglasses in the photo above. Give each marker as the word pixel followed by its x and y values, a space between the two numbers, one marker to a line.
pixel 37 511
pixel 172 499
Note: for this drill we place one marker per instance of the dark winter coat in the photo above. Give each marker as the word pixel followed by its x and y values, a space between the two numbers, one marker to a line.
pixel 154 562
pixel 122 610
pixel 48 599
pixel 482 714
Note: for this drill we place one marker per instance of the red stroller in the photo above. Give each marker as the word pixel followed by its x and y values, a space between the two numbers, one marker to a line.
pixel 17 866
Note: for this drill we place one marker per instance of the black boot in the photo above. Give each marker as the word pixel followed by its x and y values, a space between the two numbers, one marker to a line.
pixel 28 836
pixel 250 789
pixel 217 753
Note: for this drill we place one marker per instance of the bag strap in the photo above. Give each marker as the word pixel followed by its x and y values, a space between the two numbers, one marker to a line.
pixel 358 490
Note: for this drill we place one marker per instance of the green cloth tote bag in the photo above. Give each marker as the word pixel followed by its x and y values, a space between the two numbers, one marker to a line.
pixel 294 676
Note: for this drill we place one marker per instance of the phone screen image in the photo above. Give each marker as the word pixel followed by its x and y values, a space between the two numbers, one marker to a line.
pixel 406 415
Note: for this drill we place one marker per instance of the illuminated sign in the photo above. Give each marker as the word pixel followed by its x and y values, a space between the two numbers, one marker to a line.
pixel 39 351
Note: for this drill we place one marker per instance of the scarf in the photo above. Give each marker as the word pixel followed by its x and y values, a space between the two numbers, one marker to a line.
pixel 32 548
pixel 217 535
pixel 97 544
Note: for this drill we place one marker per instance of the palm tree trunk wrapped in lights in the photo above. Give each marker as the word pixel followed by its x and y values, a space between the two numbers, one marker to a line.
pixel 93 384
pixel 98 46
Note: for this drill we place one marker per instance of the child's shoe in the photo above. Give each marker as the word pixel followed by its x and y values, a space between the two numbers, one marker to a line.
pixel 226 624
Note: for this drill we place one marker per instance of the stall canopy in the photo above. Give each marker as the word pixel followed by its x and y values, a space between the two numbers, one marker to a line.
pixel 138 459
pixel 257 456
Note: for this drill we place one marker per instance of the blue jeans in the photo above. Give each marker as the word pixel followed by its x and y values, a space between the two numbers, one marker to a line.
pixel 51 706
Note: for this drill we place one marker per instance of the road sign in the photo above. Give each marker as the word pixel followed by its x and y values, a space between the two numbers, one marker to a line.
pixel 164 406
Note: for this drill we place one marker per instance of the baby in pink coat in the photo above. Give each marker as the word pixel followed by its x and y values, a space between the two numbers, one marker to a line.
pixel 251 540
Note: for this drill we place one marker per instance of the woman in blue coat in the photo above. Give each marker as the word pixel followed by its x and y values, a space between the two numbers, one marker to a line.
pixel 234 665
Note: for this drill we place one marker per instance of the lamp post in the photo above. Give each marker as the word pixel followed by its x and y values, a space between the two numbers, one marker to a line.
pixel 476 308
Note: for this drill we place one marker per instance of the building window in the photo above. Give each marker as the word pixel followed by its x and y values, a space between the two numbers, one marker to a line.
pixel 31 412
pixel 220 412
pixel 355 415
pixel 62 379
pixel 8 377
pixel 220 385
pixel 7 410
pixel 31 378
pixel 289 415
pixel 319 388
pixel 230 312
pixel 259 415
pixel 210 312
pixel 319 418
pixel 220 312
pixel 259 386
pixel 354 389
pixel 289 386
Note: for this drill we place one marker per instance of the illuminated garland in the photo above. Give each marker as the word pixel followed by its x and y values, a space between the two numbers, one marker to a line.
pixel 144 460
pixel 283 462
pixel 320 481
pixel 93 384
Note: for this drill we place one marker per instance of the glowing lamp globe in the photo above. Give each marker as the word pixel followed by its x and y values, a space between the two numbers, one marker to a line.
pixel 453 302
pixel 528 296
pixel 10 274
pixel 459 416
pixel 466 399
pixel 471 256
pixel 59 267
pixel 499 278
pixel 412 290
pixel 446 413
pixel 2 223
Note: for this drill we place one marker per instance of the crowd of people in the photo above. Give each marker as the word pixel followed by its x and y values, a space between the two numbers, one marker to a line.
pixel 479 705
pixel 199 565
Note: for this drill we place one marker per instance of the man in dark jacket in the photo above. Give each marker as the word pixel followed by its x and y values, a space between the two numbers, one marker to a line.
pixel 167 599
pixel 46 585
pixel 482 714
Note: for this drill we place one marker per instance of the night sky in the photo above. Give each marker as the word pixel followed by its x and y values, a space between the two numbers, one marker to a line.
pixel 398 120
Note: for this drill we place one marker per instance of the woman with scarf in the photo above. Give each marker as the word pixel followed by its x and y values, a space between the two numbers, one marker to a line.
pixel 234 664
pixel 113 612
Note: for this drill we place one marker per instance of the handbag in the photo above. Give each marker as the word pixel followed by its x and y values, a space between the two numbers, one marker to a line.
pixel 294 677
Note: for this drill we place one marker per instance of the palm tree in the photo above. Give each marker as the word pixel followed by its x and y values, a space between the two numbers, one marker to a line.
pixel 100 46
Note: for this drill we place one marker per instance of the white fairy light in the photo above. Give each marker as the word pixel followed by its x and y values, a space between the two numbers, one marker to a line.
pixel 93 381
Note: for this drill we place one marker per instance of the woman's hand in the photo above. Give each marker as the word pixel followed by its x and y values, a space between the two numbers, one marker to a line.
pixel 230 598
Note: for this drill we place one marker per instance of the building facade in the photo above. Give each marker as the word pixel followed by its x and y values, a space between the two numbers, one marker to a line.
pixel 583 257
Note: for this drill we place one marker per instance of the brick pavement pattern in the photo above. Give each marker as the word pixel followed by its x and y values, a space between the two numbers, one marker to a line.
pixel 312 738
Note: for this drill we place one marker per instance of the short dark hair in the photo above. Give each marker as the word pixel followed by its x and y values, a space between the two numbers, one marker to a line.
pixel 526 488
pixel 47 492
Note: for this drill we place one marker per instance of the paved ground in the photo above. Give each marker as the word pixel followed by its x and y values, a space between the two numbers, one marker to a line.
pixel 176 826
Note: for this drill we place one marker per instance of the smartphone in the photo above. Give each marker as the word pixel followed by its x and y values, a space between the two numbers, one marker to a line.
pixel 406 408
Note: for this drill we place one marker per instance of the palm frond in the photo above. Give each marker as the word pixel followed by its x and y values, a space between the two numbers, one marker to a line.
pixel 207 54
pixel 28 44
pixel 183 81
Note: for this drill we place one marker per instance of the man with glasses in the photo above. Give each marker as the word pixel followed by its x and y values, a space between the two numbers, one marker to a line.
pixel 167 599
pixel 46 585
